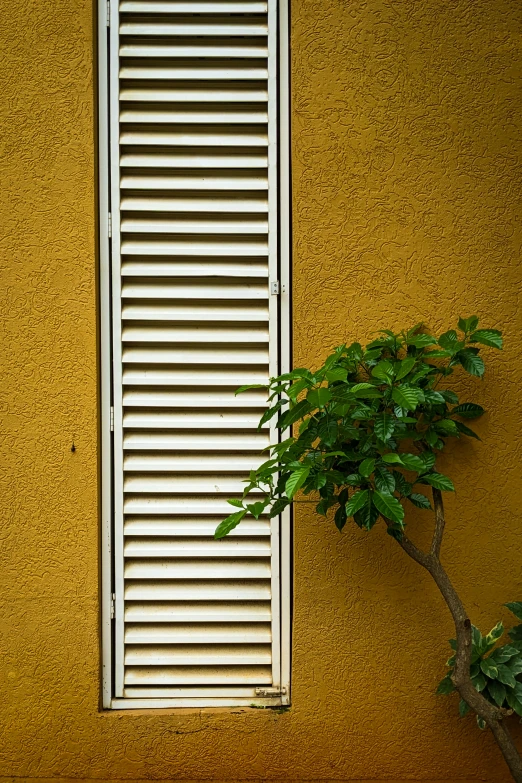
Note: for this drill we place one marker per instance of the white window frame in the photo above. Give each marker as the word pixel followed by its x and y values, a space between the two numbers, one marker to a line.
pixel 107 523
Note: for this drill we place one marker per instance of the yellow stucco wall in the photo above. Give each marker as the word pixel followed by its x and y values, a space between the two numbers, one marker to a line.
pixel 406 144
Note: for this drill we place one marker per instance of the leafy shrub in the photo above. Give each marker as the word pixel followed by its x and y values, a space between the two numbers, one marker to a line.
pixel 496 671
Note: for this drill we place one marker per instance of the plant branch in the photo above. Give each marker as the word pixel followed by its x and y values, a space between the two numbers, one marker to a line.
pixel 440 523
pixel 491 714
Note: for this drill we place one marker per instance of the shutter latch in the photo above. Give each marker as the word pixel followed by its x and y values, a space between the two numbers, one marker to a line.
pixel 270 691
pixel 109 225
pixel 112 419
pixel 108 13
pixel 113 605
pixel 276 288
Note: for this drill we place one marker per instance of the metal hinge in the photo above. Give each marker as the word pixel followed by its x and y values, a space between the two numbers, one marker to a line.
pixel 113 606
pixel 270 691
pixel 112 419
pixel 277 288
pixel 109 225
pixel 108 19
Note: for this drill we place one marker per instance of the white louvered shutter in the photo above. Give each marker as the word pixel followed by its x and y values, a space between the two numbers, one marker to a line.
pixel 194 203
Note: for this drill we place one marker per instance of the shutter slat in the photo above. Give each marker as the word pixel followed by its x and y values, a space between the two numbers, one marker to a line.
pixel 198 633
pixel 209 311
pixel 198 675
pixel 189 27
pixel 198 569
pixel 172 526
pixel 157 159
pixel 185 484
pixel 227 49
pixel 194 612
pixel 202 590
pixel 186 654
pixel 196 399
pixel 177 547
pixel 194 181
pixel 190 204
pixel 177 7
pixel 184 290
pixel 186 92
pixel 180 504
pixel 182 70
pixel 188 114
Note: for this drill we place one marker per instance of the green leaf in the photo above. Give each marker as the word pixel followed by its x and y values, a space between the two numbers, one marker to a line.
pixel 468 324
pixel 405 367
pixel 389 506
pixel 367 515
pixel 489 668
pixel 411 462
pixel 515 665
pixel 250 386
pixel 270 413
pixel 327 430
pixel 356 502
pixel 366 391
pixel 384 425
pixel 466 430
pixel 468 410
pixel 449 396
pixel 515 607
pixel 490 337
pixel 391 459
pixel 446 427
pixel 471 362
pixel 421 340
pixel 296 374
pixel 256 509
pixel 383 371
pixel 355 352
pixel 340 517
pixel 464 708
pixel 421 501
pixel 319 397
pixel 296 388
pixel 448 340
pixel 497 691
pixel 228 524
pixel 278 506
pixel 439 353
pixel 295 413
pixel 384 480
pixel 479 682
pixel 236 502
pixel 516 633
pixel 481 723
pixel 505 675
pixel 336 374
pixel 296 481
pixel 428 457
pixel 405 397
pixel 495 633
pixel 434 397
pixel 514 701
pixel 366 467
pixel 445 686
pixel 353 480
pixel 439 481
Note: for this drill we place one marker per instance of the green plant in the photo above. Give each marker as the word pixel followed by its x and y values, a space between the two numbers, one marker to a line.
pixel 368 427
pixel 495 670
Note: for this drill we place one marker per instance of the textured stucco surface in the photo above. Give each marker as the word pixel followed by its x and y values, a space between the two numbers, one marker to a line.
pixel 407 184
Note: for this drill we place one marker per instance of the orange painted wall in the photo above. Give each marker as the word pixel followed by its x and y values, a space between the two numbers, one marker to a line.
pixel 407 180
